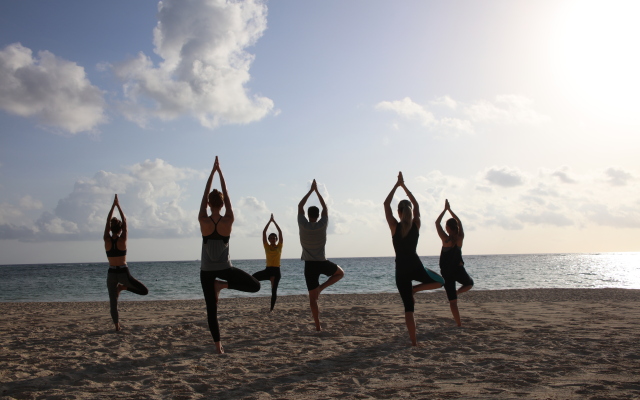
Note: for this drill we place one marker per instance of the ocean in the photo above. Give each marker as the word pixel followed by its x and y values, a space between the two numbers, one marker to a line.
pixel 180 280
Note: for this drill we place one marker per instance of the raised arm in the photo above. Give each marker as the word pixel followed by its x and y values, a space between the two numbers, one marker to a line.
pixel 228 213
pixel 202 215
pixel 264 231
pixel 325 211
pixel 414 202
pixel 107 227
pixel 123 235
pixel 460 230
pixel 305 198
pixel 279 230
pixel 388 213
pixel 441 233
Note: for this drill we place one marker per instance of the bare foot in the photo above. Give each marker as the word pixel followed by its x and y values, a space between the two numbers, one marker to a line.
pixel 120 288
pixel 219 348
pixel 118 327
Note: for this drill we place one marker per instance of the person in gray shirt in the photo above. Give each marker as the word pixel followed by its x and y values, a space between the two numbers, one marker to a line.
pixel 313 237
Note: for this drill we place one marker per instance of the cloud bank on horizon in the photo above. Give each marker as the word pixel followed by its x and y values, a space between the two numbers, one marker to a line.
pixel 153 198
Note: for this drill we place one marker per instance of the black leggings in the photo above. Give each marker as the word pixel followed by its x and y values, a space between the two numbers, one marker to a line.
pixel 452 275
pixel 236 278
pixel 404 278
pixel 265 275
pixel 122 276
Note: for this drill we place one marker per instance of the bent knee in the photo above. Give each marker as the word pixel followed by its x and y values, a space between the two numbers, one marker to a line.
pixel 339 272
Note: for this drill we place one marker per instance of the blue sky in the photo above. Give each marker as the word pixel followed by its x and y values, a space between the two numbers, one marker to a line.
pixel 522 114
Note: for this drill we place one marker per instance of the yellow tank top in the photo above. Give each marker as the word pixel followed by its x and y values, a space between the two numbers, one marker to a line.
pixel 273 256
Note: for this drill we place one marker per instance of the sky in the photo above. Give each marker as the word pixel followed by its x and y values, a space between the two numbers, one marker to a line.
pixel 522 113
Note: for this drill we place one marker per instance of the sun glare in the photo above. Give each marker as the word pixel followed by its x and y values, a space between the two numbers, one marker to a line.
pixel 597 57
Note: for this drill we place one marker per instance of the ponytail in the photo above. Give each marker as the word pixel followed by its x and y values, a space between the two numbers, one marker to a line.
pixel 405 209
pixel 452 224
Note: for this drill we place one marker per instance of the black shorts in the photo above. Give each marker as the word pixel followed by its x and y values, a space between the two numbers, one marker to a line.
pixel 452 275
pixel 313 270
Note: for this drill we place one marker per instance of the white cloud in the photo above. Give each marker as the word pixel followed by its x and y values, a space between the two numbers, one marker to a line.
pixel 151 195
pixel 445 101
pixel 505 109
pixel 504 176
pixel 406 108
pixel 564 175
pixel 251 215
pixel 205 65
pixel 617 176
pixel 29 203
pixel 409 110
pixel 462 118
pixel 54 91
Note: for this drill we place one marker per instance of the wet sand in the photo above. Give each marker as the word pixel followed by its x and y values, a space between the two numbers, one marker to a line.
pixel 534 343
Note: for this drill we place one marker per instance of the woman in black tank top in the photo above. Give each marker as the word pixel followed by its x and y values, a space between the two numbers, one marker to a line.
pixel 216 270
pixel 409 268
pixel 451 263
pixel 119 278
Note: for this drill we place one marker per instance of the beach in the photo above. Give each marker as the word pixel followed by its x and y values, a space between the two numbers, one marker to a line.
pixel 524 343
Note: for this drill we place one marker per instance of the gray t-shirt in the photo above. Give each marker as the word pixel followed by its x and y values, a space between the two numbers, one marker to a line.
pixel 313 237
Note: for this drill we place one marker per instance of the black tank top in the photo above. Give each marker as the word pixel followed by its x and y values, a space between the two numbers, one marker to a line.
pixel 450 257
pixel 215 235
pixel 115 252
pixel 405 247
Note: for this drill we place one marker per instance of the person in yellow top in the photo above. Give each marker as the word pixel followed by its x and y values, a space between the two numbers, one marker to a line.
pixel 273 251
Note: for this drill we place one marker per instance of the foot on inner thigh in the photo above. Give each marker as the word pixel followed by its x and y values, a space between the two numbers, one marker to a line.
pixel 218 286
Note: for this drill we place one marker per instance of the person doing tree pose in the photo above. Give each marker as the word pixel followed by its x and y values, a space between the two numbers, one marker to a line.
pixel 404 235
pixel 216 271
pixel 273 251
pixel 451 263
pixel 119 278
pixel 313 238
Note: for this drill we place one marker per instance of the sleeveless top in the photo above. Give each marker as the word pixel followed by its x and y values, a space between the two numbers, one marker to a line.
pixel 405 247
pixel 450 258
pixel 273 256
pixel 215 251
pixel 115 252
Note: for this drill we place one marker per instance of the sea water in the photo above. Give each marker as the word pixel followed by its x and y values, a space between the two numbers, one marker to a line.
pixel 180 280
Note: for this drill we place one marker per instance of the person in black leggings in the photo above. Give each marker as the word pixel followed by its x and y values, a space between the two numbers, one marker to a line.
pixel 273 251
pixel 216 271
pixel 119 278
pixel 408 264
pixel 451 263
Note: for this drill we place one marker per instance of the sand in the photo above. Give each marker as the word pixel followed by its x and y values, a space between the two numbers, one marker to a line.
pixel 538 344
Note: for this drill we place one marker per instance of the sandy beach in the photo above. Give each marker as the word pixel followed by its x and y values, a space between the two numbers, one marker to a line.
pixel 537 343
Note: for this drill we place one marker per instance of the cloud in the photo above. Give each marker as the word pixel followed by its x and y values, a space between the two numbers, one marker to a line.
pixel 505 109
pixel 53 90
pixel 617 176
pixel 563 175
pixel 29 203
pixel 463 118
pixel 251 215
pixel 151 194
pixel 409 110
pixel 445 101
pixel 204 67
pixel 545 217
pixel 504 176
